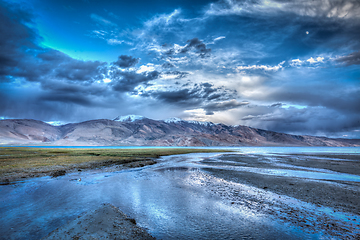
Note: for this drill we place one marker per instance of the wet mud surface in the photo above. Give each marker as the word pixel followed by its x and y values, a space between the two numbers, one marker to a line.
pixel 107 222
pixel 309 200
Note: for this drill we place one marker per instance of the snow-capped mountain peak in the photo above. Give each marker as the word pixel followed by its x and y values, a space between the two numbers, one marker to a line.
pixel 179 120
pixel 129 118
pixel 173 120
pixel 56 123
pixel 201 123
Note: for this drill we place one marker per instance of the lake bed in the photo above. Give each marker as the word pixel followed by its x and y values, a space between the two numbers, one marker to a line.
pixel 257 193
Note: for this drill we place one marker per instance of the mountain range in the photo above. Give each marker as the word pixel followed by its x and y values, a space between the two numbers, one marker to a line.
pixel 133 130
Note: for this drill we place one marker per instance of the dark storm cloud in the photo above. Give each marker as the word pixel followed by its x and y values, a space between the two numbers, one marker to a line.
pixel 193 45
pixel 21 56
pixel 41 82
pixel 52 64
pixel 345 101
pixel 209 92
pixel 61 87
pixel 351 59
pixel 334 108
pixel 125 61
pixel 198 46
pixel 195 96
pixel 275 105
pixel 71 69
pixel 167 65
pixel 310 120
pixel 186 97
pixel 67 98
pixel 15 37
pixel 127 81
pixel 223 106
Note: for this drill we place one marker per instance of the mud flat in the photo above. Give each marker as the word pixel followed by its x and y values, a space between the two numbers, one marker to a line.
pixel 107 222
pixel 328 183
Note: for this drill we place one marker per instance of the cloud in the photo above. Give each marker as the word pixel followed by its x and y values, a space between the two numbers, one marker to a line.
pixel 198 46
pixel 296 62
pixel 127 81
pixel 219 38
pixel 197 96
pixel 261 67
pixel 67 98
pixel 115 41
pixel 102 21
pixel 349 9
pixel 310 62
pixel 109 31
pixel 351 59
pixel 184 97
pixel 193 46
pixel 67 68
pixel 163 19
pixel 277 105
pixel 167 65
pixel 316 60
pixel 125 61
pixel 43 83
pixel 22 57
pixel 174 75
pixel 15 38
pixel 311 120
pixel 223 106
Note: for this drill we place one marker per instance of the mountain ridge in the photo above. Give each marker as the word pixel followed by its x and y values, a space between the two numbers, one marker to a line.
pixel 135 130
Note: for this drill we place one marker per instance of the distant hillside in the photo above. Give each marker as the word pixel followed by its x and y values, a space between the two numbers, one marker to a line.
pixel 135 130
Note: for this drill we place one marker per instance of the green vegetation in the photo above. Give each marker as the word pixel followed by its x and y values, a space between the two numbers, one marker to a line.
pixel 21 162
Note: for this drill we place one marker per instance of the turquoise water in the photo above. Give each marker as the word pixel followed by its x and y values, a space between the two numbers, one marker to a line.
pixel 249 150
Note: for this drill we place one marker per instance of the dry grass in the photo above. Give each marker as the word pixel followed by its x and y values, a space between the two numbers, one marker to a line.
pixel 20 162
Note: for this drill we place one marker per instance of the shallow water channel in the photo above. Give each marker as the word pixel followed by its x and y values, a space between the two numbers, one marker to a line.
pixel 174 199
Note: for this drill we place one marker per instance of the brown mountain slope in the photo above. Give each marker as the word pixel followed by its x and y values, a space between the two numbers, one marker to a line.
pixel 148 132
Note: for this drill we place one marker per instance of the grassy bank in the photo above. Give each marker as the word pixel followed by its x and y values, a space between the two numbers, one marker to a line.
pixel 22 162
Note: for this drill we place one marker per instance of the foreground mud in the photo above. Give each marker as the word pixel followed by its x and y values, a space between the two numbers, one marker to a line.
pixel 107 222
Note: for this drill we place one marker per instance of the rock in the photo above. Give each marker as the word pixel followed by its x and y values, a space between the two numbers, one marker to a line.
pixel 58 173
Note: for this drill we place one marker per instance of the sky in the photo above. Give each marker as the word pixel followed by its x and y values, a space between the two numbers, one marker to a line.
pixel 280 65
